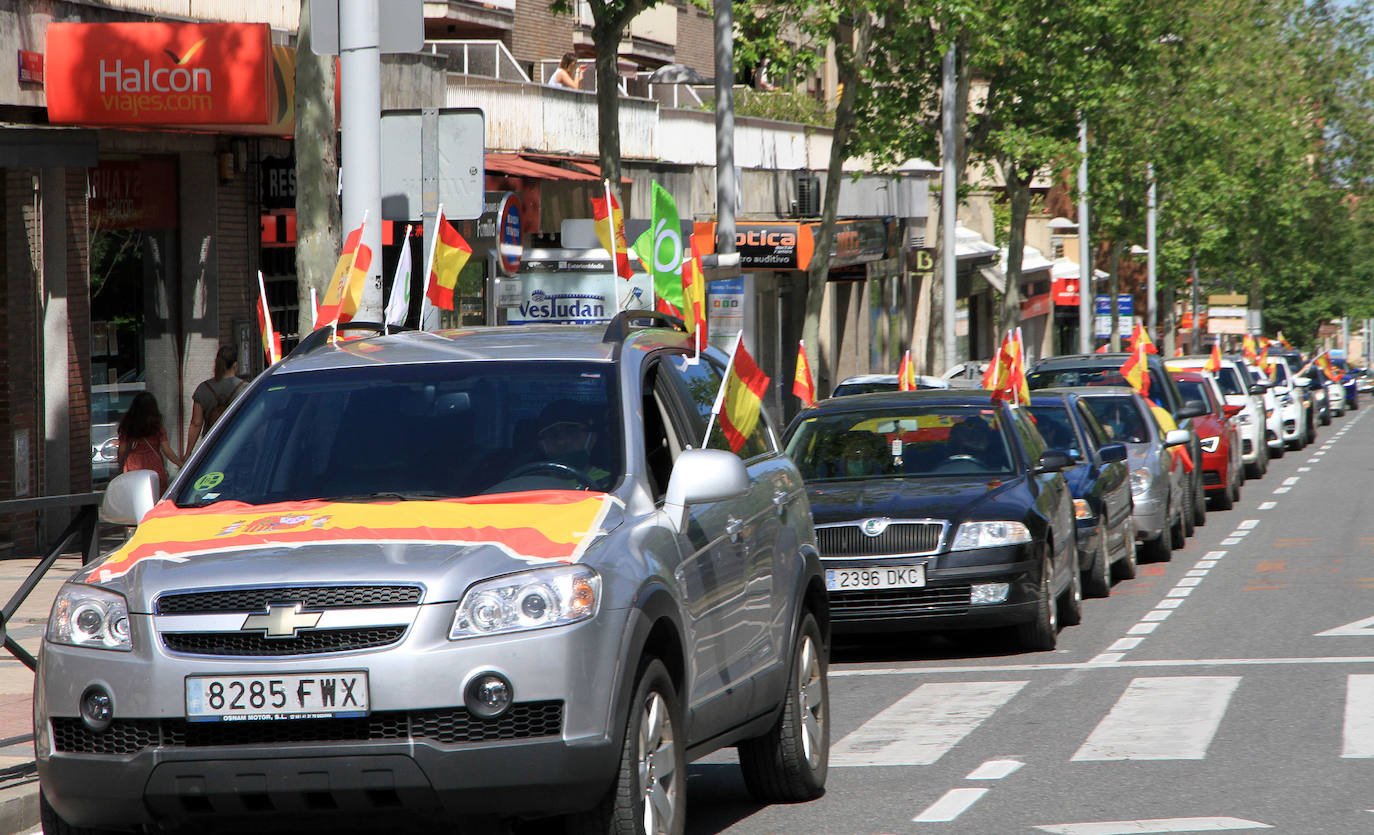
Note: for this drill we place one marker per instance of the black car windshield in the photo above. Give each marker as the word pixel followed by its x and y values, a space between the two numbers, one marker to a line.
pixel 440 430
pixel 1120 416
pixel 915 441
pixel 1056 427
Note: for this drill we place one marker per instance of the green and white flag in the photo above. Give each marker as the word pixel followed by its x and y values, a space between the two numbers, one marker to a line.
pixel 398 303
pixel 661 248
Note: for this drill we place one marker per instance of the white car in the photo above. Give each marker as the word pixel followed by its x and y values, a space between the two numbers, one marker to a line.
pixel 1273 417
pixel 1292 405
pixel 1239 389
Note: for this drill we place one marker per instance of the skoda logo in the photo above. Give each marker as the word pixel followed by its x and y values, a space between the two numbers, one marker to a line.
pixel 873 527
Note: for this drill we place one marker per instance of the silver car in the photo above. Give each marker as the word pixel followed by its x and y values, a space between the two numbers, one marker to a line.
pixel 1158 484
pixel 466 576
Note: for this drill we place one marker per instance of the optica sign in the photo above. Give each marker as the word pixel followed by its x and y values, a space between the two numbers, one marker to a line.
pixel 158 73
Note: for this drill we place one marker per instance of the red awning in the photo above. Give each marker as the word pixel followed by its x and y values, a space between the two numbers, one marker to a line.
pixel 586 165
pixel 515 165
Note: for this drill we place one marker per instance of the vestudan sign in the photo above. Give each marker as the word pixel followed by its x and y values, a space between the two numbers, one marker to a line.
pixel 158 73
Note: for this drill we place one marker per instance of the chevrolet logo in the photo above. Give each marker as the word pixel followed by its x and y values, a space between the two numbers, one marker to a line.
pixel 281 620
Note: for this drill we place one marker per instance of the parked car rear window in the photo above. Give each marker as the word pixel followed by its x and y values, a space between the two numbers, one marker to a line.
pixel 1056 427
pixel 908 442
pixel 1121 418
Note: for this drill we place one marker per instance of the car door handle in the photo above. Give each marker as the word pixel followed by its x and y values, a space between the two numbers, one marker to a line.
pixel 780 500
pixel 733 528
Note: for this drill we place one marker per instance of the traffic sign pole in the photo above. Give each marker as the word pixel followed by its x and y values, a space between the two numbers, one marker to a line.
pixel 360 71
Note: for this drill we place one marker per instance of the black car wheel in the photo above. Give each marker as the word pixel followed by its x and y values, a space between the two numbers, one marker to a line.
pixel 1199 498
pixel 1097 581
pixel 1125 567
pixel 649 795
pixel 789 763
pixel 1071 599
pixel 1225 499
pixel 1178 532
pixel 1185 515
pixel 1041 633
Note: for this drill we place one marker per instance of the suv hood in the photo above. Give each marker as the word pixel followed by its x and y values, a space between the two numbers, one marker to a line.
pixel 905 498
pixel 302 543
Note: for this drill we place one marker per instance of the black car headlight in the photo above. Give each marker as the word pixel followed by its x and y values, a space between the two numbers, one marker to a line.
pixel 989 535
pixel 86 616
pixel 545 597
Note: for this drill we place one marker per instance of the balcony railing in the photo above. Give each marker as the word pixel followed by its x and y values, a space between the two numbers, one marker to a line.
pixel 483 59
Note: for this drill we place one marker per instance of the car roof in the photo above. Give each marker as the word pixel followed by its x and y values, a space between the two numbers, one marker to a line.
pixel 511 342
pixel 889 399
pixel 1100 391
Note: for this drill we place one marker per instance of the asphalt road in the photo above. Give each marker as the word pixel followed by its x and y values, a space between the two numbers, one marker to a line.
pixel 1230 689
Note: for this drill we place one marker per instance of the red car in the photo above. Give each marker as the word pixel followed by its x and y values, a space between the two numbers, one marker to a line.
pixel 1222 468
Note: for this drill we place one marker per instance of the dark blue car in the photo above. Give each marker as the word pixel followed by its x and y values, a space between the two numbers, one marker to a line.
pixel 1100 484
pixel 939 510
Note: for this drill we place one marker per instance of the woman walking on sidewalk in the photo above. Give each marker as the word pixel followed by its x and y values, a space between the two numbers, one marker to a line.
pixel 143 440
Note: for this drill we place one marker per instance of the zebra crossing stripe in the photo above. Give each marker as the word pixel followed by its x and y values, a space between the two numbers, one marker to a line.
pixel 1164 718
pixel 1358 735
pixel 921 726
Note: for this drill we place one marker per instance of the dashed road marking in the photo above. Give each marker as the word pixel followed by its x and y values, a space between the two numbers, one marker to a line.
pixel 950 806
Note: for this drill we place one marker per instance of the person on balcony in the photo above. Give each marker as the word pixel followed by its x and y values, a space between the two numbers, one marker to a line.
pixel 568 74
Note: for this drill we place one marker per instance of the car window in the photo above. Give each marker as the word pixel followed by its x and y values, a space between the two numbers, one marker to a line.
pixel 1120 417
pixel 907 442
pixel 844 389
pixel 1196 390
pixel 423 430
pixel 1031 439
pixel 1066 377
pixel 1096 432
pixel 698 382
pixel 1279 373
pixel 1229 381
pixel 1056 428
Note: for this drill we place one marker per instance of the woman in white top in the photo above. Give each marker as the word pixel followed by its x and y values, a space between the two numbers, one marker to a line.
pixel 568 74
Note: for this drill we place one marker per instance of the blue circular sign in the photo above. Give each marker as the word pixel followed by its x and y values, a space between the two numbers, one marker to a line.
pixel 509 242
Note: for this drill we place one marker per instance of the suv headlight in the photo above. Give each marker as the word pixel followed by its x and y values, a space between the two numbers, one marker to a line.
pixel 537 599
pixel 989 535
pixel 86 616
pixel 1140 482
pixel 1211 444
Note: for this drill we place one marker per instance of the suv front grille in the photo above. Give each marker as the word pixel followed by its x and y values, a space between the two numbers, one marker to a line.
pixel 306 642
pixel 310 597
pixel 885 604
pixel 525 720
pixel 900 538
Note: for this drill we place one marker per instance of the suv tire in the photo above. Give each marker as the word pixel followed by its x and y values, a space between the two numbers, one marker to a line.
pixel 789 763
pixel 642 794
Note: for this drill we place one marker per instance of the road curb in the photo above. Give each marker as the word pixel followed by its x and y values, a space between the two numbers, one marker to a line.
pixel 19 807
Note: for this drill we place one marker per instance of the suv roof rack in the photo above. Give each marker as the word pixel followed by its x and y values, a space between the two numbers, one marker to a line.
pixel 620 326
pixel 321 336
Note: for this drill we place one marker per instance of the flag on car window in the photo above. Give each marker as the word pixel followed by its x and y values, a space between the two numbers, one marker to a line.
pixel 906 373
pixel 1138 335
pixel 803 384
pixel 449 256
pixel 741 397
pixel 345 291
pixel 1324 363
pixel 661 249
pixel 398 303
pixel 1136 372
pixel 1284 342
pixel 694 297
pixel 1020 387
pixel 610 229
pixel 1248 349
pixel 271 340
pixel 1213 363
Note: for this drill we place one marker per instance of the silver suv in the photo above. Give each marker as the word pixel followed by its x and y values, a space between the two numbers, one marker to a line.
pixel 477 575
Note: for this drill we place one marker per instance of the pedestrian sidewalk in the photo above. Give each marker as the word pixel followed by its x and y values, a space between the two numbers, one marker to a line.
pixel 18 774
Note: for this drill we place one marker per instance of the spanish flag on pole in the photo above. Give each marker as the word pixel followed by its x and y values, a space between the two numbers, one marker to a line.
pixel 694 296
pixel 1135 370
pixel 446 260
pixel 345 290
pixel 1248 349
pixel 803 384
pixel 1020 387
pixel 1000 377
pixel 906 373
pixel 1284 342
pixel 1324 363
pixel 741 397
pixel 610 229
pixel 271 341
pixel 1213 363
pixel 1138 334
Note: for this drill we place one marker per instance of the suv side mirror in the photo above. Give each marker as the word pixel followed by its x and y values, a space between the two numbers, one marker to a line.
pixel 1258 390
pixel 1110 453
pixel 129 497
pixel 1176 437
pixel 1054 460
pixel 1191 409
pixel 701 476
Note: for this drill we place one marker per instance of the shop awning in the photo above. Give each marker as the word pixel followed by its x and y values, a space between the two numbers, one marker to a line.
pixel 1032 261
pixel 586 165
pixel 515 165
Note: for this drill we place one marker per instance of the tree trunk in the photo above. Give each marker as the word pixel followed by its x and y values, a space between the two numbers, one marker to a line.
pixel 932 360
pixel 856 33
pixel 607 40
pixel 317 172
pixel 1018 193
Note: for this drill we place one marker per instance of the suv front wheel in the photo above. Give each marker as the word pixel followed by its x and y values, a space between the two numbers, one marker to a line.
pixel 788 764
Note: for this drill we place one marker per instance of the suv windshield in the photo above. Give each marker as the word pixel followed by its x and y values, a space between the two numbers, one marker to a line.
pixel 438 430
pixel 911 441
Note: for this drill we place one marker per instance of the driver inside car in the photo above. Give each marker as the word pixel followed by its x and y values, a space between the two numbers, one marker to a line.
pixel 566 438
pixel 972 439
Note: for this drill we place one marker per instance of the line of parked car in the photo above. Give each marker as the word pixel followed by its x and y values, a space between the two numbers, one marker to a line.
pixel 942 508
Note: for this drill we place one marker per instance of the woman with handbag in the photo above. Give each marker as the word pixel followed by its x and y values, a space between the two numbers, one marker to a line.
pixel 143 440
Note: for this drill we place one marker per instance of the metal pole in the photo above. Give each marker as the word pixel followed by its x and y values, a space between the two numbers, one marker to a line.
pixel 360 69
pixel 727 259
pixel 1152 259
pixel 1195 346
pixel 1085 258
pixel 949 204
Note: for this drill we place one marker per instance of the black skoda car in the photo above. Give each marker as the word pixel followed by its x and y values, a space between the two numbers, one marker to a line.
pixel 939 510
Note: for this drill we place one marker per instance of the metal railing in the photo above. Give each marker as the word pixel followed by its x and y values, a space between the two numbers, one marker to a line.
pixel 484 59
pixel 84 529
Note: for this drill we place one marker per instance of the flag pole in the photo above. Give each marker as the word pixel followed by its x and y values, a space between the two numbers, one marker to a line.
pixel 267 317
pixel 720 395
pixel 429 263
